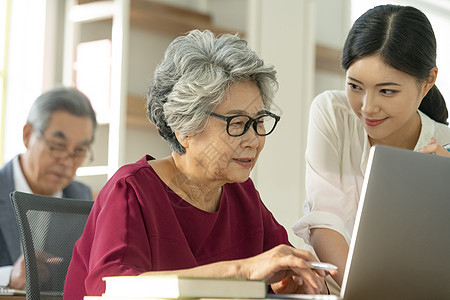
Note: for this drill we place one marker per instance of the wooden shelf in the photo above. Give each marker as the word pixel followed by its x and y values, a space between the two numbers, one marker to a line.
pixel 168 19
pixel 328 60
pixel 137 112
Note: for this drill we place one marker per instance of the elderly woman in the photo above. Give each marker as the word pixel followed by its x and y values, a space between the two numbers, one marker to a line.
pixel 196 212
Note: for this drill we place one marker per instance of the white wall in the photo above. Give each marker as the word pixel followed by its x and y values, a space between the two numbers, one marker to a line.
pixel 25 69
pixel 287 40
pixel 289 46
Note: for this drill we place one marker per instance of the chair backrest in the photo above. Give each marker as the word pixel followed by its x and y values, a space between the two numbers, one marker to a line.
pixel 49 228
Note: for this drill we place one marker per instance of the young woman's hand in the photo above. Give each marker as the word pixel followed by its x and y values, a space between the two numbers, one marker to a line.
pixel 434 147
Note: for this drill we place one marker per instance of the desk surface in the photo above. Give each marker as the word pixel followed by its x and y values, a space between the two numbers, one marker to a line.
pixel 9 297
pixel 23 297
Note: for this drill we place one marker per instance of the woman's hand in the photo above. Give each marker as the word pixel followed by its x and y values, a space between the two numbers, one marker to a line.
pixel 434 147
pixel 287 269
pixel 295 285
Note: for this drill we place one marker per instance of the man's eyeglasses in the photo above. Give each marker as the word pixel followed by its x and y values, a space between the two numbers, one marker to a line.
pixel 238 125
pixel 80 154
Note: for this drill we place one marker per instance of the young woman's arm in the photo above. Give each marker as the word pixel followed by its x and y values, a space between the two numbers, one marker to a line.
pixel 330 246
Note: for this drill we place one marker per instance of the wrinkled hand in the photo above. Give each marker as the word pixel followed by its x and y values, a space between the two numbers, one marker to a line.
pixel 287 269
pixel 17 279
pixel 434 147
pixel 43 261
pixel 295 285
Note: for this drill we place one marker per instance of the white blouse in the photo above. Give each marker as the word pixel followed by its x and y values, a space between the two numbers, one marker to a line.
pixel 336 157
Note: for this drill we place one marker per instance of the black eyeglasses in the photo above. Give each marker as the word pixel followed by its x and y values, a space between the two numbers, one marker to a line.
pixel 238 125
pixel 82 153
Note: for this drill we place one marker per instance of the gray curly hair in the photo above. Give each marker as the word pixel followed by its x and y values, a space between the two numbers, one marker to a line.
pixel 193 78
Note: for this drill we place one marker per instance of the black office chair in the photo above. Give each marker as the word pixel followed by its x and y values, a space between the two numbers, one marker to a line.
pixel 49 228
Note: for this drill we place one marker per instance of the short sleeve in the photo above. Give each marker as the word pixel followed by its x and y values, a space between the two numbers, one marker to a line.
pixel 118 246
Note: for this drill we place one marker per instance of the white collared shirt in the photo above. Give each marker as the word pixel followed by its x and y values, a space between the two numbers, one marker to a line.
pixel 336 158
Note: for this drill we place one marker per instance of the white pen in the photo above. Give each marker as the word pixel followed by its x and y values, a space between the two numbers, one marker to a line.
pixel 322 266
pixel 54 260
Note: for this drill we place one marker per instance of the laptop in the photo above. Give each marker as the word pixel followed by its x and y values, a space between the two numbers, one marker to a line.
pixel 400 247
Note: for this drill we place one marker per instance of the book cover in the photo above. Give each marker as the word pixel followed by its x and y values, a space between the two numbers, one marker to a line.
pixel 172 286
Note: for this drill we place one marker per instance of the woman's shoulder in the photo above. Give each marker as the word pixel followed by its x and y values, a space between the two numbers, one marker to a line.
pixel 134 171
pixel 442 133
pixel 331 101
pixel 335 96
pixel 131 168
pixel 332 108
pixel 133 175
pixel 431 128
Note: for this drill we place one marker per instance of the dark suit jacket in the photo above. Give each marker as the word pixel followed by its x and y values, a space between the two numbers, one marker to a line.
pixel 9 232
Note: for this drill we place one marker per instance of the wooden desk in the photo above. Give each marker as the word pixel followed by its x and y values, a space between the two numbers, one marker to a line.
pixel 19 297
pixel 23 297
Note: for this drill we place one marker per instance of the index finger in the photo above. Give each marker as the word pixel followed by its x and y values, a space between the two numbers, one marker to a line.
pixel 431 148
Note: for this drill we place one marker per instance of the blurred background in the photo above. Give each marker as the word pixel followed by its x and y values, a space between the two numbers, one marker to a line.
pixel 109 49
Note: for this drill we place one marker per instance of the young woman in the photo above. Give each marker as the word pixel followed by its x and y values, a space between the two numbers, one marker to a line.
pixel 390 99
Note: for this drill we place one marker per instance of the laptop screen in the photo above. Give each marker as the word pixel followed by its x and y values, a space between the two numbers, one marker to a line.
pixel 400 246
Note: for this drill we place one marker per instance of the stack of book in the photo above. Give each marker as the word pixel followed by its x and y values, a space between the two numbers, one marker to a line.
pixel 173 286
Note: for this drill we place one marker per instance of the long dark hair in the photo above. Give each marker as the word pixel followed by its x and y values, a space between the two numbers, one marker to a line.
pixel 404 39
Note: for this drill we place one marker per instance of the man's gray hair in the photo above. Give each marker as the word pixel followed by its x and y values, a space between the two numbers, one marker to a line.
pixel 65 99
pixel 193 78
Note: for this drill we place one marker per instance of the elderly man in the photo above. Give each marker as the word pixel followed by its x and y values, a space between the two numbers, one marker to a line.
pixel 57 135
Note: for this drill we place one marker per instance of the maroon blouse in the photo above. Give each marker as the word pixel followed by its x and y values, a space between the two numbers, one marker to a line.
pixel 139 224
